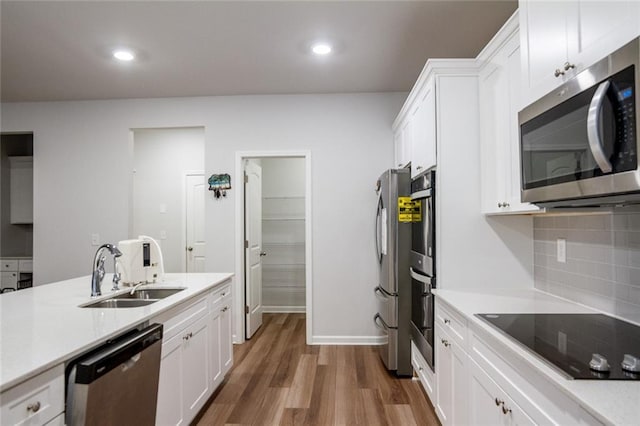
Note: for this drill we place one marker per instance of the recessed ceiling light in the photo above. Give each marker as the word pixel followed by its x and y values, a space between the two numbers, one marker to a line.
pixel 321 49
pixel 124 55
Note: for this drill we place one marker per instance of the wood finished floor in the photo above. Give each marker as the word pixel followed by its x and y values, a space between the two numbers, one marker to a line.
pixel 278 380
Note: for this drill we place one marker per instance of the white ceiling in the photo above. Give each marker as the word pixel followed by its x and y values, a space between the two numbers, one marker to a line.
pixel 61 50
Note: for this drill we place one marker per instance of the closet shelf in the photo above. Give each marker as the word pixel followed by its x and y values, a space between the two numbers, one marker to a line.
pixel 282 218
pixel 283 243
pixel 301 197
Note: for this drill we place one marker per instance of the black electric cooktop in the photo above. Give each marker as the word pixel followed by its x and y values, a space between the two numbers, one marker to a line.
pixel 570 341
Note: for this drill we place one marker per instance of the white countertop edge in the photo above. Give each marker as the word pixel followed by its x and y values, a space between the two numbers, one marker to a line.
pixel 607 416
pixel 161 307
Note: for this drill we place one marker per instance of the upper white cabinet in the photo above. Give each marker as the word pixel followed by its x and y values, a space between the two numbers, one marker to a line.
pixel 561 38
pixel 21 189
pixel 415 130
pixel 499 90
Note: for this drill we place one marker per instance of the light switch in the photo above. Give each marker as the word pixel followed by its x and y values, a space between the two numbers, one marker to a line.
pixel 163 208
pixel 95 239
pixel 163 235
pixel 562 250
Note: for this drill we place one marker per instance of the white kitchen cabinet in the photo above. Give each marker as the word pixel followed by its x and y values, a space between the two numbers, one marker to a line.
pixel 185 383
pixel 21 190
pixel 451 373
pixel 426 376
pixel 36 401
pixel 499 90
pixel 415 130
pixel 489 404
pixel 402 149
pixel 196 354
pixel 423 141
pixel 561 38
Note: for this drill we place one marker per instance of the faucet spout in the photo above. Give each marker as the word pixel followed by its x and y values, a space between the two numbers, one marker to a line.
pixel 98 267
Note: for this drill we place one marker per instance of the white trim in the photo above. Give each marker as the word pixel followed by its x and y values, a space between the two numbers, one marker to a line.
pixel 239 232
pixel 185 174
pixel 348 340
pixel 283 309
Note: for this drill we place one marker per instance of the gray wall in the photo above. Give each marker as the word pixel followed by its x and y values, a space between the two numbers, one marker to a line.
pixel 603 260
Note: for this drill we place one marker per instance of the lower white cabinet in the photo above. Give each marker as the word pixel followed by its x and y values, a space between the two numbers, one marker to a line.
pixel 451 378
pixel 479 382
pixel 196 354
pixel 489 404
pixel 36 401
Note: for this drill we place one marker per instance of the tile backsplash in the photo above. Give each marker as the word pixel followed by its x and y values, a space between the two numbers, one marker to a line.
pixel 602 267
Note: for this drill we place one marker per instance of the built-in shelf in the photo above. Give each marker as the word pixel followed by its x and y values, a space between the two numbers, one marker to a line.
pixel 282 218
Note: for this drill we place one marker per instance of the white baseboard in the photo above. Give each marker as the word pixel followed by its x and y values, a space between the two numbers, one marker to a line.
pixel 283 309
pixel 347 340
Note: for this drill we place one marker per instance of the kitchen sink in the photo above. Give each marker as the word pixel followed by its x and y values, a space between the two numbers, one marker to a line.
pixel 120 303
pixel 150 293
pixel 140 297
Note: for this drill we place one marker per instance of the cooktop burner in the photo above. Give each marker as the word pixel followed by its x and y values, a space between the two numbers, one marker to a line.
pixel 584 346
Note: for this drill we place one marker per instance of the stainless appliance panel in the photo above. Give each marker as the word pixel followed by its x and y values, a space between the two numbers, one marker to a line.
pixel 393 290
pixel 387 307
pixel 423 230
pixel 118 383
pixel 581 145
pixel 388 350
pixel 422 314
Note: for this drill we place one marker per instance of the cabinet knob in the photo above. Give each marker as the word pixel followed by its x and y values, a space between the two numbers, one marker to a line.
pixel 500 205
pixel 499 402
pixel 263 253
pixel 400 165
pixel 505 410
pixel 190 248
pixel 446 321
pixel 558 72
pixel 419 168
pixel 34 407
pixel 568 66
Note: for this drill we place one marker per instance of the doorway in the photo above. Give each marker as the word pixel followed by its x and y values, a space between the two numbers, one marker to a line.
pixel 273 236
pixel 16 211
pixel 168 194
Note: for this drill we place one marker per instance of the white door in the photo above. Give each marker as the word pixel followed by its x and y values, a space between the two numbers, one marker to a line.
pixel 253 246
pixel 195 247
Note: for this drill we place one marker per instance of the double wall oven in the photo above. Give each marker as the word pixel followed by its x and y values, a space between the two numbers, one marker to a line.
pixel 422 263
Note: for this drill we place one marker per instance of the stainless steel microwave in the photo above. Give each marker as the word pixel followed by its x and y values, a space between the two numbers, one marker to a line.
pixel 579 144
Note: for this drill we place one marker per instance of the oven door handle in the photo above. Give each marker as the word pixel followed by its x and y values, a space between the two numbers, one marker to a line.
pixel 421 194
pixel 381 325
pixel 594 128
pixel 419 277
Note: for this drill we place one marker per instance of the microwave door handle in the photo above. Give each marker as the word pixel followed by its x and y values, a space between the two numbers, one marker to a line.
pixel 594 130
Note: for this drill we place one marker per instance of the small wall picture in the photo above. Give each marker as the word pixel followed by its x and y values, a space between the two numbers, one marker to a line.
pixel 219 184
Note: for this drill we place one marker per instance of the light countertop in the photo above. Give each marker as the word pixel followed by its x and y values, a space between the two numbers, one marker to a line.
pixel 610 401
pixel 43 326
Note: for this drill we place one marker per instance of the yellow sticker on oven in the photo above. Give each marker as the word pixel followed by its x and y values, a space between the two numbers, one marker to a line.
pixel 408 210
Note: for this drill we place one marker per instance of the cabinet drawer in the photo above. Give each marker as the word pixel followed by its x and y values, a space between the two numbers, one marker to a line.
pixel 36 401
pixel 25 265
pixel 424 373
pixel 8 279
pixel 178 318
pixel 220 295
pixel 9 265
pixel 538 398
pixel 452 323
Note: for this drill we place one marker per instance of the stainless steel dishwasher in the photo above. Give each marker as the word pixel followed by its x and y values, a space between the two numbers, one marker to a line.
pixel 117 383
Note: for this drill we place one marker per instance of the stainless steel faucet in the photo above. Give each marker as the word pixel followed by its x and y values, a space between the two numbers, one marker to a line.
pixel 98 269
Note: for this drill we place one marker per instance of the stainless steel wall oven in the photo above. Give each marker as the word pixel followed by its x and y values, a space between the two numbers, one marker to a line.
pixel 423 265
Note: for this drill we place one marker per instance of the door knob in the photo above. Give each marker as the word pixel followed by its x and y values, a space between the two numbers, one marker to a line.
pixel 190 248
pixel 263 253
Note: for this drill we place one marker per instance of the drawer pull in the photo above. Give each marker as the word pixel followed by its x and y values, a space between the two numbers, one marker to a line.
pixel 187 336
pixel 499 402
pixel 505 410
pixel 446 321
pixel 445 343
pixel 225 309
pixel 224 294
pixel 35 407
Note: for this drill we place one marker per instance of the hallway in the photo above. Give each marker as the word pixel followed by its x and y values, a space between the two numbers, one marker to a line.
pixel 278 380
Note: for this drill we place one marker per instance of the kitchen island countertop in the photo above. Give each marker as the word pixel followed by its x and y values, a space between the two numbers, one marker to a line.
pixel 610 401
pixel 43 326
